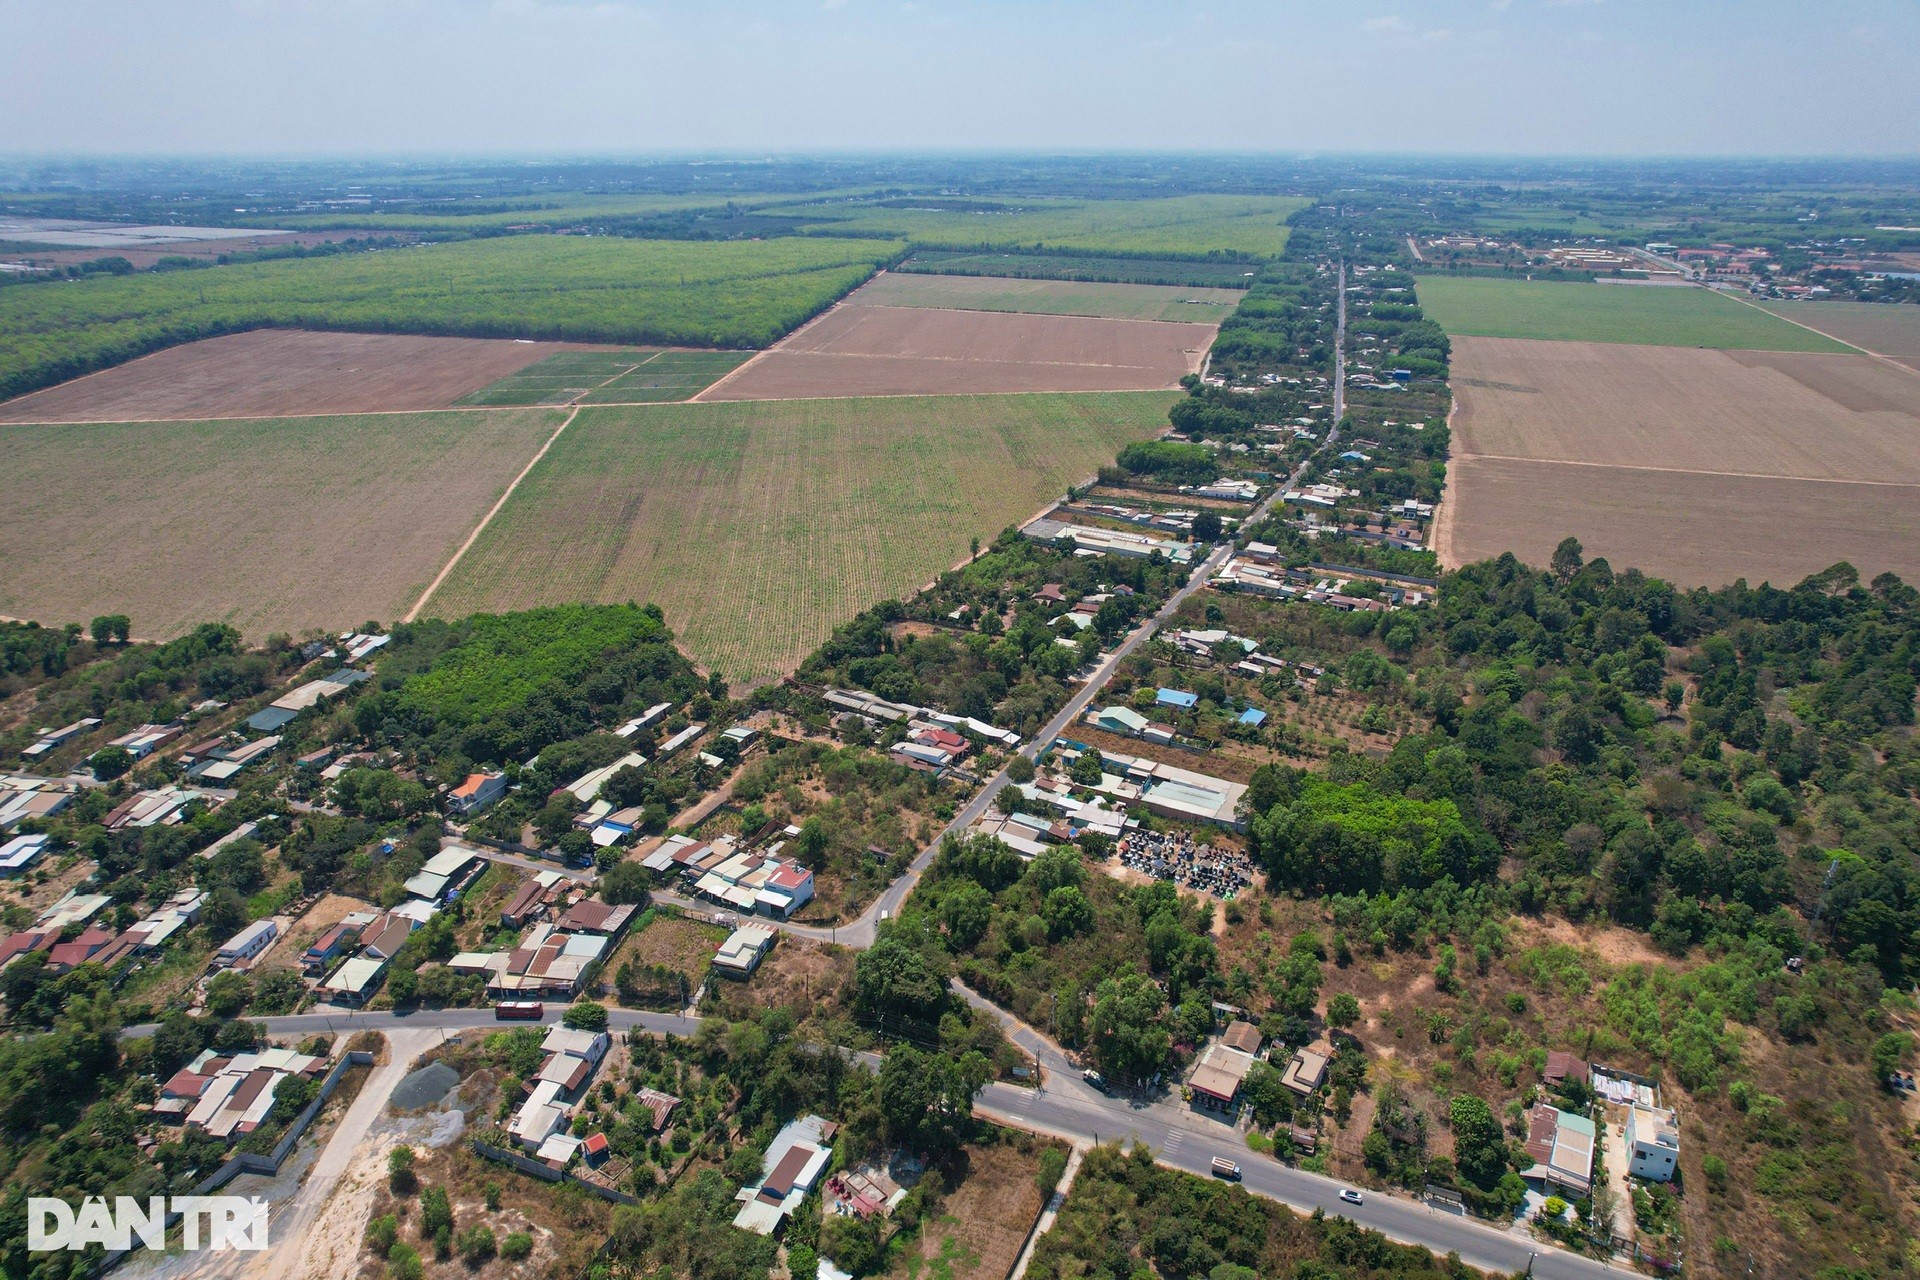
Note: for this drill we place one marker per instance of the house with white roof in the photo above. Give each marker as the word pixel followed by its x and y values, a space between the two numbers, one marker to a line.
pixel 794 1162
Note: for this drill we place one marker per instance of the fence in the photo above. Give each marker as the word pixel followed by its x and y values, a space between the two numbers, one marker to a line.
pixel 246 1162
pixel 546 1172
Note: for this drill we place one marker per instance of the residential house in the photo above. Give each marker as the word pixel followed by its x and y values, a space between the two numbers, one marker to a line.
pixel 246 946
pixel 1122 720
pixel 659 1105
pixel 1217 1077
pixel 21 852
pixel 744 949
pixel 548 962
pixel 64 956
pixel 1307 1069
pixel 591 915
pixel 1653 1143
pixel 327 948
pixel 1178 699
pixel 1244 1036
pixel 355 982
pixel 586 788
pixel 1561 1147
pixel 230 1097
pixel 53 739
pixel 476 793
pixel 142 742
pixel 1563 1067
pixel 794 1162
pixel 445 873
pixel 535 896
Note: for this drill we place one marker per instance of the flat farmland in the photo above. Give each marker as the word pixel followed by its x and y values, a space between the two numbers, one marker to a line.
pixel 856 350
pixel 1700 466
pixel 267 524
pixel 1028 265
pixel 759 527
pixel 1048 297
pixel 1690 529
pixel 1558 311
pixel 1886 329
pixel 670 375
pixel 270 372
pixel 610 377
pixel 1174 225
pixel 589 289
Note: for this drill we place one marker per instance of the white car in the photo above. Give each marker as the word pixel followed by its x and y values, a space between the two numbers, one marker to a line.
pixel 1351 1196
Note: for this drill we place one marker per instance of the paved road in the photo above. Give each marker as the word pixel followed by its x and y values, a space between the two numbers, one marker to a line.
pixel 860 932
pixel 1074 1112
pixel 1066 1107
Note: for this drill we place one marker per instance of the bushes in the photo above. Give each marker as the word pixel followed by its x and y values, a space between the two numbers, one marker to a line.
pixel 1170 462
pixel 516 1246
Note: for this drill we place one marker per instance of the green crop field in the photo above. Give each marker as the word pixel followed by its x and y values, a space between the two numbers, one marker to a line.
pixel 671 375
pixel 1177 226
pixel 1067 266
pixel 759 526
pixel 564 210
pixel 589 289
pixel 1640 314
pixel 1051 297
pixel 609 377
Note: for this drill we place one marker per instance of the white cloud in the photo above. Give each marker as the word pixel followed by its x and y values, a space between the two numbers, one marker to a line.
pixel 1388 24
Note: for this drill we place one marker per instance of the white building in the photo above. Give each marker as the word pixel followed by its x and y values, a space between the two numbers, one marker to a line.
pixel 1653 1137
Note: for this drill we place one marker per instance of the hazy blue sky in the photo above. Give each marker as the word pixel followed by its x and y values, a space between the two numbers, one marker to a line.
pixel 1555 76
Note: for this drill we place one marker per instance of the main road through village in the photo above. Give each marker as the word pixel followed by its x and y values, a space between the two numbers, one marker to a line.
pixel 1062 1105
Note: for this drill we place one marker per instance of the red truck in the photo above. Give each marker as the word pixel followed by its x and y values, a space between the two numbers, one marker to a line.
pixel 519 1011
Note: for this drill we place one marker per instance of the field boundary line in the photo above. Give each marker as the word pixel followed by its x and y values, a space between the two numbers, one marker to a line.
pixel 575 402
pixel 1684 471
pixel 1881 356
pixel 487 519
pixel 743 366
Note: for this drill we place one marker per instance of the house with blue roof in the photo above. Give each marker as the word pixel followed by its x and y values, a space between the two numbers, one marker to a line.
pixel 1177 698
pixel 1253 716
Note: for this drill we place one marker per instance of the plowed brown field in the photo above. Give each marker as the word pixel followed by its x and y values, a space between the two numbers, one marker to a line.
pixel 273 372
pixel 1696 465
pixel 858 350
pixel 270 525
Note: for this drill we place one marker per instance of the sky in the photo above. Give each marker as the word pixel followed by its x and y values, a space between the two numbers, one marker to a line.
pixel 630 77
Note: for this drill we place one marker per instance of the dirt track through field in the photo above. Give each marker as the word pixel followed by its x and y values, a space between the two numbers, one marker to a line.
pixel 856 350
pixel 270 372
pixel 1696 465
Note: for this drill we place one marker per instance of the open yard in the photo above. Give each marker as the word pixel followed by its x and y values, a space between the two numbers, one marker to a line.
pixel 1049 297
pixel 758 527
pixel 1698 466
pixel 982 1223
pixel 1883 328
pixel 1467 306
pixel 269 372
pixel 267 524
pixel 900 351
